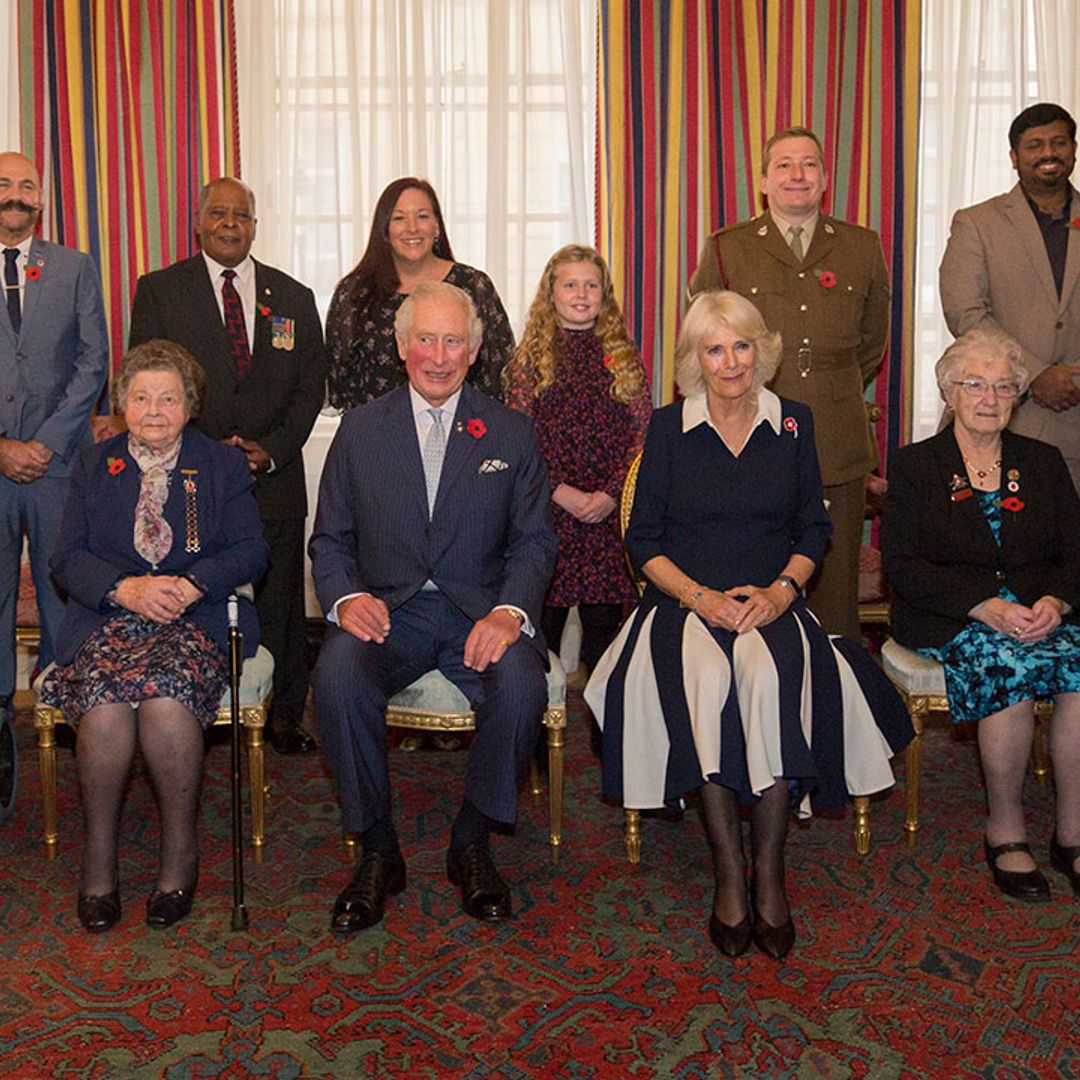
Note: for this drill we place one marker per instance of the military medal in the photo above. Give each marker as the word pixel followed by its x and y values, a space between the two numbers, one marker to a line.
pixel 191 512
pixel 959 487
pixel 282 332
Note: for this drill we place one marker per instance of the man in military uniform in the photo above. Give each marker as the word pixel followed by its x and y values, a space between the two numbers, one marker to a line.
pixel 823 285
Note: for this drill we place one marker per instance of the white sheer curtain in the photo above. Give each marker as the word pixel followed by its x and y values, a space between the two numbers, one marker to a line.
pixel 9 75
pixel 983 61
pixel 491 100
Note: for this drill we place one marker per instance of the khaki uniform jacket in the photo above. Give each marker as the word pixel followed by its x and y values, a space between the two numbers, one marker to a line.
pixel 841 328
pixel 995 273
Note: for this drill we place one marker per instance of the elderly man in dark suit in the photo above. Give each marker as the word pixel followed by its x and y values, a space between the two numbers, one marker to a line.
pixel 54 354
pixel 432 548
pixel 256 333
pixel 1013 263
pixel 822 284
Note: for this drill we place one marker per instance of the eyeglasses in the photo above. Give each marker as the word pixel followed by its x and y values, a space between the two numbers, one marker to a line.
pixel 976 388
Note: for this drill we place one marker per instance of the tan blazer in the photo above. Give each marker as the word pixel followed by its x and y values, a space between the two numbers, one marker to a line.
pixel 840 328
pixel 995 273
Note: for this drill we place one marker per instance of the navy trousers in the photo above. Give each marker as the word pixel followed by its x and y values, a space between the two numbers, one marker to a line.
pixel 355 679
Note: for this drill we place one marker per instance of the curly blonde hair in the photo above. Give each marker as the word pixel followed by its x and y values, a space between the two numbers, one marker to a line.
pixel 534 359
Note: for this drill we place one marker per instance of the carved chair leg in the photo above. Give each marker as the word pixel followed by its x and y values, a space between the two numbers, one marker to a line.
pixel 45 722
pixel 918 707
pixel 862 824
pixel 633 836
pixel 256 751
pixel 555 721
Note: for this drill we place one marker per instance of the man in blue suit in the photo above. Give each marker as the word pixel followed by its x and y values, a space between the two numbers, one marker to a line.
pixel 54 356
pixel 432 548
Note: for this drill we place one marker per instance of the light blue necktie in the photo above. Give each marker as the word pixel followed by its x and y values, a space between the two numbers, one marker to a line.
pixel 434 451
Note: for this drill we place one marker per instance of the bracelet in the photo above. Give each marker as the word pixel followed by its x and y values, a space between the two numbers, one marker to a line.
pixel 697 591
pixel 790 582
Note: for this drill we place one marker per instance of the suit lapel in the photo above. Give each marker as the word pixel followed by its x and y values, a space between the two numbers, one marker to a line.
pixel 951 468
pixel 402 448
pixel 261 345
pixel 823 243
pixel 776 243
pixel 1027 231
pixel 1072 254
pixel 32 289
pixel 463 450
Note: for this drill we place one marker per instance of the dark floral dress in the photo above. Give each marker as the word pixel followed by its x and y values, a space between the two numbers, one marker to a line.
pixel 588 441
pixel 987 671
pixel 367 365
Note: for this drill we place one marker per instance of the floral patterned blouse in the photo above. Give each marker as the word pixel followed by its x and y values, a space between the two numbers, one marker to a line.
pixel 588 441
pixel 367 365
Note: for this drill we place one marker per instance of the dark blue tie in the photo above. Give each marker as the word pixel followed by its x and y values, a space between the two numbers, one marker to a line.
pixel 11 287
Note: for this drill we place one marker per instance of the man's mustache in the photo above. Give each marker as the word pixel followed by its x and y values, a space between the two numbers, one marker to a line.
pixel 19 204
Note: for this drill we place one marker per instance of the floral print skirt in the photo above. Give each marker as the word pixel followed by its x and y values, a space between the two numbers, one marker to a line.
pixel 987 671
pixel 131 659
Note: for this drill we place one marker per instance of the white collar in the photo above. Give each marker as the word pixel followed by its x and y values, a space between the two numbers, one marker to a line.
pixel 695 411
pixel 244 268
pixel 420 405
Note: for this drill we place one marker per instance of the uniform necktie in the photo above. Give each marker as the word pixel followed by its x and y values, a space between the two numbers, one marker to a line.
pixel 795 241
pixel 235 327
pixel 11 287
pixel 434 451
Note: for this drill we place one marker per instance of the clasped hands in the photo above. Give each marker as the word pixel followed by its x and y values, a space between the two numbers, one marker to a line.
pixel 159 598
pixel 368 618
pixel 1019 621
pixel 743 608
pixel 1055 387
pixel 591 507
pixel 23 462
pixel 258 459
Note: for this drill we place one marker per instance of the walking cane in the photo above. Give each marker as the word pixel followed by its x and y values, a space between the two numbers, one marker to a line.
pixel 236 663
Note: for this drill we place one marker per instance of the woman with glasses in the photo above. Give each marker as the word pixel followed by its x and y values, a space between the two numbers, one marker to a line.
pixel 981 538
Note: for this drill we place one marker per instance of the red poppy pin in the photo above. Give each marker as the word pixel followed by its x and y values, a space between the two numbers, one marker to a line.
pixel 476 428
pixel 826 279
pixel 264 310
pixel 608 360
pixel 116 465
pixel 791 424
pixel 1012 503
pixel 1075 223
pixel 33 273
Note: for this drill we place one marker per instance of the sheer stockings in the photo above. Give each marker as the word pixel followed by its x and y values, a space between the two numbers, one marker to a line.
pixel 172 746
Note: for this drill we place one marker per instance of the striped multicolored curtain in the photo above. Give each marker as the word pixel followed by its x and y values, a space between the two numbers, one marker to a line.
pixel 689 90
pixel 128 107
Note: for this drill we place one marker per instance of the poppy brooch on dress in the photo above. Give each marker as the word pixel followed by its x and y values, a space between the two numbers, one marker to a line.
pixel 1012 502
pixel 792 425
pixel 476 428
pixel 116 465
pixel 33 273
pixel 826 279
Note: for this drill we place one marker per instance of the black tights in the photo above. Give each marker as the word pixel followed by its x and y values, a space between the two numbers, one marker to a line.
pixel 768 828
pixel 172 747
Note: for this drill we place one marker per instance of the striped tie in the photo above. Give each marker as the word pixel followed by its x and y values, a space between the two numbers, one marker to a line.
pixel 235 327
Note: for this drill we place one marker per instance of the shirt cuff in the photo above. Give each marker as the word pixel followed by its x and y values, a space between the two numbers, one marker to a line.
pixel 332 614
pixel 527 627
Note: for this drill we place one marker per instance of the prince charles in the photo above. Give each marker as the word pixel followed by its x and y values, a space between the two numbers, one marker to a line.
pixel 432 548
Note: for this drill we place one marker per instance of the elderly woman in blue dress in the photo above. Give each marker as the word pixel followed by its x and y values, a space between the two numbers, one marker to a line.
pixel 981 541
pixel 160 526
pixel 722 680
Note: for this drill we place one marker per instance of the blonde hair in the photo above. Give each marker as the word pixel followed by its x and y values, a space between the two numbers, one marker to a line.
pixel 735 312
pixel 534 360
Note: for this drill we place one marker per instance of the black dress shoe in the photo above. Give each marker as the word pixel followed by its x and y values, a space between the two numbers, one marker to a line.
pixel 165 908
pixel 730 940
pixel 362 902
pixel 99 913
pixel 774 941
pixel 1062 859
pixel 484 894
pixel 1027 885
pixel 289 739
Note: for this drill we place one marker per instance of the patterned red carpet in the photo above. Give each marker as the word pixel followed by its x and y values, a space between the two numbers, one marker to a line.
pixel 907 965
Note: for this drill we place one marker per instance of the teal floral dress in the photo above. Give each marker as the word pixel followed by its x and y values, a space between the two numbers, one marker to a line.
pixel 987 671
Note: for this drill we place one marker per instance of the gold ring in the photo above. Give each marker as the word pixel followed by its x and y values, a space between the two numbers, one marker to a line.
pixel 1016 631
pixel 505 643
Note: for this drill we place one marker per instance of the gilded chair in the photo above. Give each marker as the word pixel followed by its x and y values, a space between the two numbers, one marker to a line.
pixel 256 686
pixel 920 681
pixel 434 704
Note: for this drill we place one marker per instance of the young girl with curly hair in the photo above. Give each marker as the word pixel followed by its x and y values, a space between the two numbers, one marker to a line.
pixel 578 374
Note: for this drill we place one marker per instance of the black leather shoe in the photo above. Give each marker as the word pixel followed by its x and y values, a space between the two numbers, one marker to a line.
pixel 774 941
pixel 730 940
pixel 1062 860
pixel 289 739
pixel 165 908
pixel 484 894
pixel 362 902
pixel 1027 885
pixel 99 913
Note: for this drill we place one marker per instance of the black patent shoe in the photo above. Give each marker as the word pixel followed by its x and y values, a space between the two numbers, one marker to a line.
pixel 484 894
pixel 165 908
pixel 730 940
pixel 289 739
pixel 1063 860
pixel 774 941
pixel 1027 885
pixel 99 913
pixel 362 903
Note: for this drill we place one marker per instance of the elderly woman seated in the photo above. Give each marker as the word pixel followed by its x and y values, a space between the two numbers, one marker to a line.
pixel 981 537
pixel 723 681
pixel 159 528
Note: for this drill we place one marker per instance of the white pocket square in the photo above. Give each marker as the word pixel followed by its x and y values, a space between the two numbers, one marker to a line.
pixel 493 465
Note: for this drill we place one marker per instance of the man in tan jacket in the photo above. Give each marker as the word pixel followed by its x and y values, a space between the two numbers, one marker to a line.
pixel 823 285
